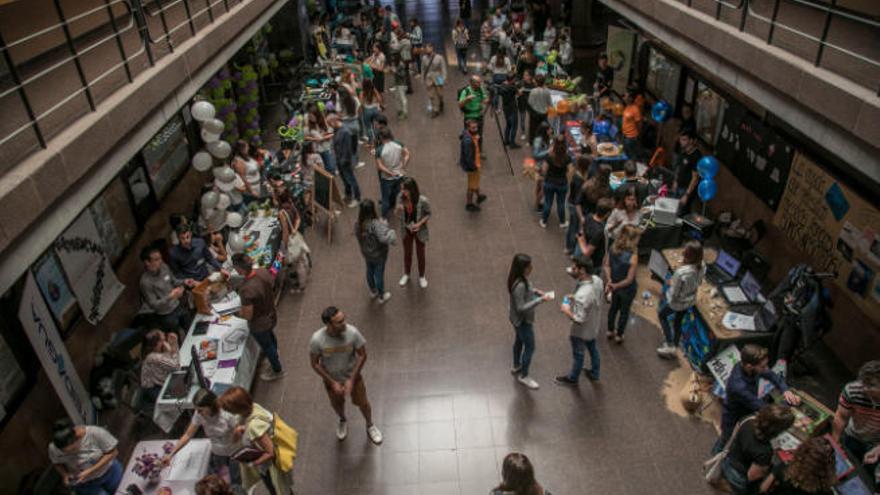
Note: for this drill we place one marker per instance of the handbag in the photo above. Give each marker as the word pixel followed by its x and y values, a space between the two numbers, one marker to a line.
pixel 284 438
pixel 712 467
pixel 296 243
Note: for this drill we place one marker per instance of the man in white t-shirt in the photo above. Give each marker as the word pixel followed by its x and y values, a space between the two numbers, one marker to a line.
pixel 338 352
pixel 391 161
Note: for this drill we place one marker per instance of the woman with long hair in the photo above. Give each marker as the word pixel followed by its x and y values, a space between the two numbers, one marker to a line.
pixel 626 211
pixel 810 472
pixel 555 171
pixel 595 188
pixel 291 232
pixel 523 299
pixel 160 359
pixel 374 237
pixel 320 134
pixel 518 477
pixel 310 160
pixel 349 114
pixel 540 151
pixel 414 212
pixel 620 265
pixel 371 101
pixel 750 453
pixel 461 39
pixel 681 295
pixel 576 184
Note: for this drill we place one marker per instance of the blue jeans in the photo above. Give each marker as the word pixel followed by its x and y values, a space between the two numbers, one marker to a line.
pixel 370 114
pixel 557 190
pixel 329 160
pixel 738 481
pixel 390 189
pixel 376 277
pixel 497 79
pixel 353 125
pixel 631 148
pixel 673 333
pixel 352 190
pixel 523 347
pixel 510 122
pixel 574 224
pixel 269 345
pixel 105 485
pixel 618 314
pixel 577 352
pixel 461 59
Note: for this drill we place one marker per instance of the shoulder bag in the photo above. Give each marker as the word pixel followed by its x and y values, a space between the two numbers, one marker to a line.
pixel 712 467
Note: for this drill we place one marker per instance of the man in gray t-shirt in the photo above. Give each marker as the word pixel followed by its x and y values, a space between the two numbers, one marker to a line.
pixel 338 352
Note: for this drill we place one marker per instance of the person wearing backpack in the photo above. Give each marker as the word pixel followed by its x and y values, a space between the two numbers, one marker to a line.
pixel 374 236
pixel 473 100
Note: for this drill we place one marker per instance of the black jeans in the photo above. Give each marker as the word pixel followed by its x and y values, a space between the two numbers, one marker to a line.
pixel 621 302
pixel 177 320
pixel 673 334
pixel 535 120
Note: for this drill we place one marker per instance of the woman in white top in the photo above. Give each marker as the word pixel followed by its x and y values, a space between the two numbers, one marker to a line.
pixel 318 132
pixel 550 32
pixel 626 211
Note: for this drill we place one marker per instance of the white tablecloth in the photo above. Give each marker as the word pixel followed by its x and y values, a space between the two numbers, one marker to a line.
pixel 187 467
pixel 241 374
pixel 266 227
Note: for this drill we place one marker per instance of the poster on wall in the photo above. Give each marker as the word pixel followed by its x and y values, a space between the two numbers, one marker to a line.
pixel 166 155
pixel 54 287
pixel 756 155
pixel 83 259
pixel 621 52
pixel 43 335
pixel 836 228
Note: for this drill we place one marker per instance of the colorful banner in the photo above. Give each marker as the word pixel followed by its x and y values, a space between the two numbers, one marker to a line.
pixel 41 331
pixel 91 277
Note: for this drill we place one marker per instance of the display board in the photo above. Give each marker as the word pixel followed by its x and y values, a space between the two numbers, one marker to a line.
pixel 326 192
pixel 166 155
pixel 836 229
pixel 756 154
pixel 53 285
pixel 621 48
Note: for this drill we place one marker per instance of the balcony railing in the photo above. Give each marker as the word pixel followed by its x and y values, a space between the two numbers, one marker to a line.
pixel 836 35
pixel 53 75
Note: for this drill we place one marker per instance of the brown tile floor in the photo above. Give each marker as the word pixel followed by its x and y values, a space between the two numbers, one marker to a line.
pixel 437 373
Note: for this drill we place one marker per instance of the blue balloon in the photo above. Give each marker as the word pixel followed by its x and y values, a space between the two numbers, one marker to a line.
pixel 660 111
pixel 707 167
pixel 601 127
pixel 707 189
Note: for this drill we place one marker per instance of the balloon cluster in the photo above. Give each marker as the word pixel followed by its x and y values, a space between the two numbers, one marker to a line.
pixel 707 168
pixel 660 111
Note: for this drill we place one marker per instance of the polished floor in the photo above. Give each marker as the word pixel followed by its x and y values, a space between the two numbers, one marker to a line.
pixel 437 373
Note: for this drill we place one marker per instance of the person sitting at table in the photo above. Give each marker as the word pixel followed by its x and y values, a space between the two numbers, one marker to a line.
pixel 220 427
pixel 588 144
pixel 190 258
pixel 161 358
pixel 162 293
pixel 750 453
pixel 742 388
pixel 681 295
pixel 626 211
pixel 811 471
pixel 217 245
pixel 86 457
pixel 213 485
pixel 857 418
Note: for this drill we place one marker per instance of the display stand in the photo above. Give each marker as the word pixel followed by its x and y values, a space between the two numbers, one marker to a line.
pixel 327 198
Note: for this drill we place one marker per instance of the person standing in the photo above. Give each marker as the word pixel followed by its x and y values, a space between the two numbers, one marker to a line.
pixel 86 458
pixel 258 308
pixel 554 171
pixel 626 210
pixel 415 35
pixel 584 310
pixel 681 295
pixel 161 293
pixel 461 39
pixel 414 215
pixel 391 161
pixel 434 77
pixel 578 177
pixel 406 58
pixel 620 266
pixel 473 101
pixel 470 162
pixel 631 127
pixel 374 236
pixel 320 134
pixel 400 87
pixel 344 146
pixel 338 352
pixel 376 61
pixel 686 178
pixel 857 418
pixel 539 102
pixel 523 299
pixel 526 85
pixel 509 92
pixel 486 31
pixel 371 101
pixel 591 238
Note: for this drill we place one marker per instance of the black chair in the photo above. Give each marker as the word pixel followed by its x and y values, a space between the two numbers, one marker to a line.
pixel 756 264
pixel 738 246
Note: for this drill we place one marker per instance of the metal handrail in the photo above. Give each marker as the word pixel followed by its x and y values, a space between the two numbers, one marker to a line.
pixel 163 9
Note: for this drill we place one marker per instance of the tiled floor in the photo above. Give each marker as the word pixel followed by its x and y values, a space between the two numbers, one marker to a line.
pixel 437 373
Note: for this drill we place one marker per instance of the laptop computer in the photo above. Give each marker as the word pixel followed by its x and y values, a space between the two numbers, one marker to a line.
pixel 757 317
pixel 745 292
pixel 724 269
pixel 178 384
pixel 658 264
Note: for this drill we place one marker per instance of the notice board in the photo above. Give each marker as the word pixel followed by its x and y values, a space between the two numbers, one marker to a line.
pixel 836 228
pixel 758 156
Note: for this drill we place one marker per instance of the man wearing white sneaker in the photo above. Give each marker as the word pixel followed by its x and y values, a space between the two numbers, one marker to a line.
pixel 414 210
pixel 338 352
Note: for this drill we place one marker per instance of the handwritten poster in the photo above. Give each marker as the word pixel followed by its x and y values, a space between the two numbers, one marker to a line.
pixel 836 229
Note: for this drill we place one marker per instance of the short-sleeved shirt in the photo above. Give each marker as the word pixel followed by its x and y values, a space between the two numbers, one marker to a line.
pixel 594 232
pixel 337 354
pixel 391 154
pixel 864 422
pixel 257 424
pixel 747 449
pixel 220 429
pixel 92 446
pixel 586 306
pixel 685 165
pixel 257 291
pixel 632 117
pixel 473 109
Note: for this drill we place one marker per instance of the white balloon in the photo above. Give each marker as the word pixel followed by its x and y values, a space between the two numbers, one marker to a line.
pixel 214 126
pixel 202 111
pixel 236 242
pixel 224 174
pixel 234 220
pixel 202 161
pixel 209 137
pixel 219 149
pixel 235 197
pixel 210 200
pixel 224 201
pixel 217 219
pixel 140 191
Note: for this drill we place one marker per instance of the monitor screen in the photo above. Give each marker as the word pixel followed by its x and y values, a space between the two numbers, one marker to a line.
pixel 750 286
pixel 196 365
pixel 657 264
pixel 728 263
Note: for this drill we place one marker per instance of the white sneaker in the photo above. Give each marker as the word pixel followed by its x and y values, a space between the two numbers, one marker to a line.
pixel 404 280
pixel 515 370
pixel 269 376
pixel 563 225
pixel 384 298
pixel 523 137
pixel 353 203
pixel 374 434
pixel 423 282
pixel 666 350
pixel 528 382
pixel 542 223
pixel 341 429
pixel 360 164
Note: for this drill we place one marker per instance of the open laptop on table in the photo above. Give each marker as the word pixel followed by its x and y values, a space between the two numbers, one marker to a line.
pixel 724 270
pixel 746 291
pixel 178 384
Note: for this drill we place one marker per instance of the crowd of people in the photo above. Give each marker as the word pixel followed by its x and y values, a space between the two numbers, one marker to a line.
pixel 517 47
